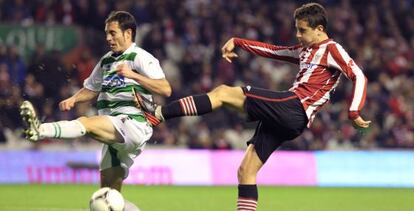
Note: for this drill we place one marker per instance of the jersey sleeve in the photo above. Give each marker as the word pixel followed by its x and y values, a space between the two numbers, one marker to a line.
pixel 284 53
pixel 147 65
pixel 94 81
pixel 338 58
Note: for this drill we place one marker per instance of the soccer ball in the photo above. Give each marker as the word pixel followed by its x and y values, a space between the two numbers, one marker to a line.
pixel 106 199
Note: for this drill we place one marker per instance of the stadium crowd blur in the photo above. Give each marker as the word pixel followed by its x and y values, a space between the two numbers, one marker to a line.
pixel 186 36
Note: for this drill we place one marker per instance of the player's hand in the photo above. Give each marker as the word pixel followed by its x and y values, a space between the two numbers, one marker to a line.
pixel 361 125
pixel 124 70
pixel 227 50
pixel 67 104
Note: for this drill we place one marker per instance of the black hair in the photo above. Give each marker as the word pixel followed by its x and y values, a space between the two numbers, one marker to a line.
pixel 313 13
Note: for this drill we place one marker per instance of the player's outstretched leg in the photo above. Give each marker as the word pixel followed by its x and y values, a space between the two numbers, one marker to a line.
pixel 31 122
pixel 35 130
pixel 194 105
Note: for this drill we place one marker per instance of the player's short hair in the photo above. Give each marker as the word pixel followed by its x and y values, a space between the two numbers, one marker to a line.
pixel 125 21
pixel 313 13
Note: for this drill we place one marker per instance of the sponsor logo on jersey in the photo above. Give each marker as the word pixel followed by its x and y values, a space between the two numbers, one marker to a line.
pixel 114 81
pixel 307 65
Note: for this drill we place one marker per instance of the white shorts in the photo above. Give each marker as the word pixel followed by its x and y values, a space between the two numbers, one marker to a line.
pixel 135 135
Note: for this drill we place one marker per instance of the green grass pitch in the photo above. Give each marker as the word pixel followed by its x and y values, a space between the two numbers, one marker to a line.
pixel 188 198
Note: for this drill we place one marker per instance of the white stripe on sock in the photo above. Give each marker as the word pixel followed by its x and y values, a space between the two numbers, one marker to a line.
pixel 240 208
pixel 246 204
pixel 188 113
pixel 183 107
pixel 187 110
pixel 193 106
pixel 247 201
pixel 189 106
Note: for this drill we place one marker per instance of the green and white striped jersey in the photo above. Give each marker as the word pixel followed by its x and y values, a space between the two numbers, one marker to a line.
pixel 115 95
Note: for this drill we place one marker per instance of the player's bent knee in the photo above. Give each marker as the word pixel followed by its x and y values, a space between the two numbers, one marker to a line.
pixel 90 125
pixel 244 172
pixel 222 92
pixel 223 88
pixel 86 123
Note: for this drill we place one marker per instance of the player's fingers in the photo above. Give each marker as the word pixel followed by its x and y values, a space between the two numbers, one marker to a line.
pixel 366 124
pixel 227 58
pixel 61 106
pixel 66 107
pixel 224 52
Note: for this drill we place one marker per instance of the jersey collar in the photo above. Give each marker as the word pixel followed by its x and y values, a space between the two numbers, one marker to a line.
pixel 316 45
pixel 128 50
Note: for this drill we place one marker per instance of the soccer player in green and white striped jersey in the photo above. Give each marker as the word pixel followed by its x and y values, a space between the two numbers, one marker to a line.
pixel 120 125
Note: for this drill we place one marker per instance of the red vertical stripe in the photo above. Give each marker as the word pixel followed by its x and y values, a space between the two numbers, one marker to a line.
pixel 319 74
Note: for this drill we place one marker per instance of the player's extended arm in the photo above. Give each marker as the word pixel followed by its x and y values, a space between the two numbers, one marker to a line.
pixel 82 95
pixel 284 53
pixel 341 60
pixel 157 86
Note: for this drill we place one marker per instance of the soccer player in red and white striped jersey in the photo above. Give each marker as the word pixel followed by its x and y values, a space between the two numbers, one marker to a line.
pixel 320 68
pixel 282 116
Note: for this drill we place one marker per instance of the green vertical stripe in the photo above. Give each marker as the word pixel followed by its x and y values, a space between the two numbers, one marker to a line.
pixel 59 130
pixel 114 158
pixel 55 127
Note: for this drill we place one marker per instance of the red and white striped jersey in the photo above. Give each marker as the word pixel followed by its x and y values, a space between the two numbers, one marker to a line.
pixel 320 68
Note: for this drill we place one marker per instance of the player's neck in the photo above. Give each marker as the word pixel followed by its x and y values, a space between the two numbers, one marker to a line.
pixel 321 38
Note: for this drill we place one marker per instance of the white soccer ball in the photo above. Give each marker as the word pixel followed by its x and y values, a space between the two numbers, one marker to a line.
pixel 106 199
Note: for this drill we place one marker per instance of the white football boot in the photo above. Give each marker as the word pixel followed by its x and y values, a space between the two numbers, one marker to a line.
pixel 31 121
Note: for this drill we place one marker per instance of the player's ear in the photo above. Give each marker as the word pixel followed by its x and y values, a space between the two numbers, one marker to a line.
pixel 320 28
pixel 128 33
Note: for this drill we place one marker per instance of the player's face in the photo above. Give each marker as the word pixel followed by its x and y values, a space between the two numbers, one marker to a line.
pixel 305 34
pixel 117 39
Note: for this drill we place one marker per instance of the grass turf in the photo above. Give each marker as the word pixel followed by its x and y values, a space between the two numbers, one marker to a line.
pixel 171 198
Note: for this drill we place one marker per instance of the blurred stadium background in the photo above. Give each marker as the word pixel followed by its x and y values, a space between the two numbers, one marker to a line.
pixel 47 49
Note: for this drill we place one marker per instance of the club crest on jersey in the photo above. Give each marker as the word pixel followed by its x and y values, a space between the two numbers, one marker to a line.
pixel 351 63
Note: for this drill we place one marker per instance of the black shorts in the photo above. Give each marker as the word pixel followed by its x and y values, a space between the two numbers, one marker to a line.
pixel 281 118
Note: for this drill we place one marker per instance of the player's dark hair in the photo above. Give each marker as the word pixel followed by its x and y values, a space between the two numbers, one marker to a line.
pixel 313 13
pixel 125 21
